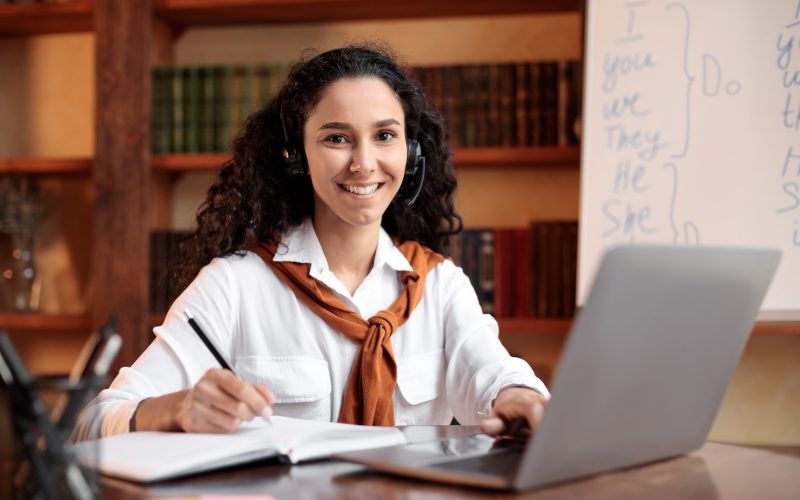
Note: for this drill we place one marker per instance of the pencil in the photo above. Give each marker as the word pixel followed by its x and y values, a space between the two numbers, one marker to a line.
pixel 200 333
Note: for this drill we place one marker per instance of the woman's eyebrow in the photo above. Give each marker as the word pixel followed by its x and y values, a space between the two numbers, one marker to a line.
pixel 387 122
pixel 347 126
pixel 335 126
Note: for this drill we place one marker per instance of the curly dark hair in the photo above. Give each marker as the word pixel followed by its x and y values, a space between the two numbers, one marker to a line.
pixel 255 197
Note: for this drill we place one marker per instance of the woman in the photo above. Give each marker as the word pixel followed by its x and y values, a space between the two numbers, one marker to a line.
pixel 318 271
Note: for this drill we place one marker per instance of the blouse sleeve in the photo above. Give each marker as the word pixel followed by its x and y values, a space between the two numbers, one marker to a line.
pixel 478 366
pixel 175 360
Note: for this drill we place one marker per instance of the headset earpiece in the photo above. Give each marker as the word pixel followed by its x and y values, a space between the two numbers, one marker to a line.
pixel 295 160
pixel 413 157
pixel 415 166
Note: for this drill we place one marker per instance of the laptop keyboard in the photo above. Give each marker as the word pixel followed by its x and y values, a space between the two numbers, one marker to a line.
pixel 501 463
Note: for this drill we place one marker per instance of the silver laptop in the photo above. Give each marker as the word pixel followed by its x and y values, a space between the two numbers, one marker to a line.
pixel 641 377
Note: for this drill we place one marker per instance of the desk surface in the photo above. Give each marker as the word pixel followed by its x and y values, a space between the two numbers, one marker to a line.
pixel 715 471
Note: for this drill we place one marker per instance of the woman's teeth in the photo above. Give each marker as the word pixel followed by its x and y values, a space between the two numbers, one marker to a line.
pixel 361 189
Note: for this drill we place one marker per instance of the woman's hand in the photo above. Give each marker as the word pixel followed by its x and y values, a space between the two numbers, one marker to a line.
pixel 511 404
pixel 219 402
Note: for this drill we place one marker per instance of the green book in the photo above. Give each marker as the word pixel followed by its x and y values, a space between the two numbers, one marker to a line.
pixel 207 103
pixel 178 116
pixel 191 107
pixel 241 100
pixel 263 84
pixel 223 76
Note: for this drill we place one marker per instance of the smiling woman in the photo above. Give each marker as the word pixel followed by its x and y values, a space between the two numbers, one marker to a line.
pixel 356 151
pixel 318 269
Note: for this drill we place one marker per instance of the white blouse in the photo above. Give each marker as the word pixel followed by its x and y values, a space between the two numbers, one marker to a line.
pixel 450 361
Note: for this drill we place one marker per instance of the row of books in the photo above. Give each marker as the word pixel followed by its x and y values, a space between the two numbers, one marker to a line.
pixel 522 272
pixel 198 109
pixel 516 272
pixel 502 105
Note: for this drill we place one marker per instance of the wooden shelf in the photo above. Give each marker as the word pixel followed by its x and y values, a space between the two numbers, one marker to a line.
pixel 517 156
pixel 21 321
pixel 40 18
pixel 188 13
pixel 562 325
pixel 462 157
pixel 189 161
pixel 46 166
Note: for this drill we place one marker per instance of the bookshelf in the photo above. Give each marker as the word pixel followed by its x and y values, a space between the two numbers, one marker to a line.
pixel 41 18
pixel 566 157
pixel 122 172
pixel 78 166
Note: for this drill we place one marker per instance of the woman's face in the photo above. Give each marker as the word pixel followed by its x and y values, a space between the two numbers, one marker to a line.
pixel 355 145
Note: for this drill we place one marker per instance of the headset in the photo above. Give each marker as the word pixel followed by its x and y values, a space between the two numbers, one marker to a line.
pixel 296 164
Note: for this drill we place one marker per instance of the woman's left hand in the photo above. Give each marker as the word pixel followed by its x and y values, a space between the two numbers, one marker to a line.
pixel 513 403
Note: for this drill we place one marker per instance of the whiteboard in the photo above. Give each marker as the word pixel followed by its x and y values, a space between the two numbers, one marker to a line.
pixel 691 131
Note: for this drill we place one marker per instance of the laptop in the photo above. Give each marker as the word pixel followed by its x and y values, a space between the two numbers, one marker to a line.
pixel 641 377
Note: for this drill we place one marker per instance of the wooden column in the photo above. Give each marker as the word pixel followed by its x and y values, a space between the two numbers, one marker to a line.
pixel 120 267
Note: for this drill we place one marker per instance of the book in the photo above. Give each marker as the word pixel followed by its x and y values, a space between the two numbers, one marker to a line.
pixel 157 456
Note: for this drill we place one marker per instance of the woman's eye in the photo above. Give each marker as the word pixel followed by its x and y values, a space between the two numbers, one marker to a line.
pixel 336 139
pixel 385 136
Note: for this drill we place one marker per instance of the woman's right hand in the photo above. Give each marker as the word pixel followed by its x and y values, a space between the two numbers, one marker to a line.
pixel 218 403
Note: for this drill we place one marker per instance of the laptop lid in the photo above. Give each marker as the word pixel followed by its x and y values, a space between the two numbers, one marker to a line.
pixel 648 359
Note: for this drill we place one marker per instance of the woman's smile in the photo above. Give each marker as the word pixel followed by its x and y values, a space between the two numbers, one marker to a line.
pixel 361 189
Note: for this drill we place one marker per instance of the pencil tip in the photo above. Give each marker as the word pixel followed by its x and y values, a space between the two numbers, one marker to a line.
pixel 188 314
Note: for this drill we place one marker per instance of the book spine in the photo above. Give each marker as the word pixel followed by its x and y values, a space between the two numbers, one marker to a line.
pixel 263 84
pixel 222 111
pixel 570 268
pixel 502 252
pixel 521 105
pixel 191 89
pixel 451 96
pixel 178 144
pixel 158 268
pixel 495 133
pixel 486 278
pixel 245 96
pixel 482 107
pixel 521 273
pixel 550 102
pixel 207 104
pixel 555 270
pixel 534 106
pixel 507 112
pixel 562 115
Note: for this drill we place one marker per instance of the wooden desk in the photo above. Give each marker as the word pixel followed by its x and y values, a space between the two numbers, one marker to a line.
pixel 715 471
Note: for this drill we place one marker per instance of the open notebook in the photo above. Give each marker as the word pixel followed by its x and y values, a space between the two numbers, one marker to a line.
pixel 155 456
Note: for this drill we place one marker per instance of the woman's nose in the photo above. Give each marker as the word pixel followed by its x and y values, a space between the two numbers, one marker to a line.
pixel 363 160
